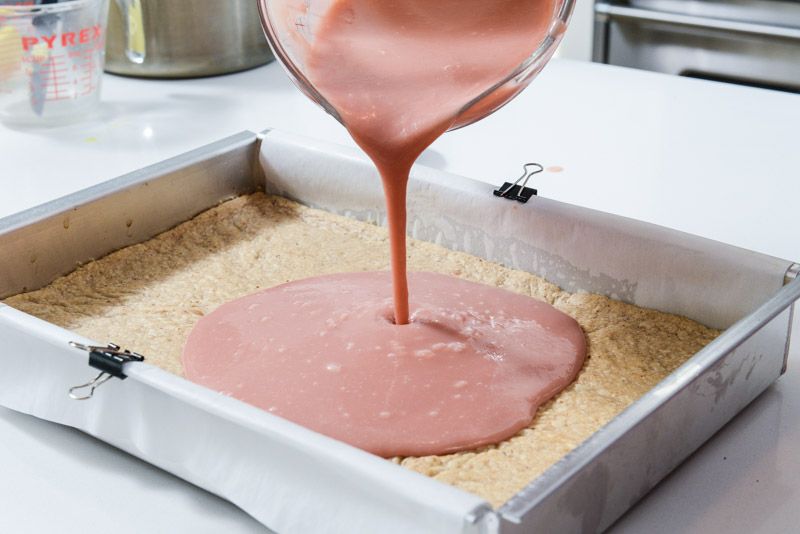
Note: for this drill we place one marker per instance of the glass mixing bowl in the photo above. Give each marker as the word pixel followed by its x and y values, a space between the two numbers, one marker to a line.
pixel 290 28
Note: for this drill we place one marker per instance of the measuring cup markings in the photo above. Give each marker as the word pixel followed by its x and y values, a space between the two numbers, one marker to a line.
pixel 55 90
pixel 61 82
pixel 52 54
pixel 70 49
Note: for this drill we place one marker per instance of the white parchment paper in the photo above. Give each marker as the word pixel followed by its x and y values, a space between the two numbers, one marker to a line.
pixel 576 248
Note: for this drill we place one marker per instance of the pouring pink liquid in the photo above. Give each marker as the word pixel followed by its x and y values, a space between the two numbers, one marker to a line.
pixel 399 75
pixel 472 363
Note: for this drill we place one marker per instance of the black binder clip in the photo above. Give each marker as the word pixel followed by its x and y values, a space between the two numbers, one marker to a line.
pixel 517 191
pixel 109 360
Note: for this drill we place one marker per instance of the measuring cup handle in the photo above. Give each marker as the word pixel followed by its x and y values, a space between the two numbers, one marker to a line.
pixel 133 22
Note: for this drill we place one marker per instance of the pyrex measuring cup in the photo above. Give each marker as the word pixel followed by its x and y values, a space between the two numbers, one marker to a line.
pixel 291 25
pixel 51 59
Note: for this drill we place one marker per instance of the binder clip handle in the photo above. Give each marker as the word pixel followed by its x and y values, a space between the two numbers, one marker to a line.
pixel 109 360
pixel 517 191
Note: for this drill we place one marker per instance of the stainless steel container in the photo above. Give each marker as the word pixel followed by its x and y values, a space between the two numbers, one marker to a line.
pixel 749 42
pixel 184 38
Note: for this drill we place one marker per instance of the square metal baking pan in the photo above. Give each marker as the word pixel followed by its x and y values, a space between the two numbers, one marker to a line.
pixel 294 480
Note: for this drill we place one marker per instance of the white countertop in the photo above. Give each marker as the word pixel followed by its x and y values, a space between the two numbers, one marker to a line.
pixel 715 160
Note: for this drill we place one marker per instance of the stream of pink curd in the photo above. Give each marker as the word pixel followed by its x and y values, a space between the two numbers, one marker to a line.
pixel 398 364
pixel 399 74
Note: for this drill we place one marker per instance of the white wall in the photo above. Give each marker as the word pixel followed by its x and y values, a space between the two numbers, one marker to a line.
pixel 577 43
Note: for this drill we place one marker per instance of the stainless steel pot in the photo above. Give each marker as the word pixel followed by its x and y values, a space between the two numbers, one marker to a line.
pixel 184 38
